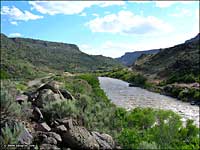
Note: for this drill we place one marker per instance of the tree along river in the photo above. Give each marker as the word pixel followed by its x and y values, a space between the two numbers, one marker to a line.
pixel 127 97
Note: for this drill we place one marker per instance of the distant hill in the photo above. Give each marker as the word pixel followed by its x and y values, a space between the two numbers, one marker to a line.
pixel 180 60
pixel 26 57
pixel 130 57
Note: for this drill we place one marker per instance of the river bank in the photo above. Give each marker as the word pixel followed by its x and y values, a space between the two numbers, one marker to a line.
pixel 183 92
pixel 131 97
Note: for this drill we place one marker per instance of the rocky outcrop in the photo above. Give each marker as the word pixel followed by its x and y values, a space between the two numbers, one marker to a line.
pixel 37 114
pixel 45 96
pixel 25 137
pixel 21 98
pixel 65 133
pixel 46 93
pixel 42 127
pixel 66 94
pixel 68 134
pixel 105 141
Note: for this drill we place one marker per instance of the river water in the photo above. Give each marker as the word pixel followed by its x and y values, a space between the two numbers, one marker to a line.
pixel 127 97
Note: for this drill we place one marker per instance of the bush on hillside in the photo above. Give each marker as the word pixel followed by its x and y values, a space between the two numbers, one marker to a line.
pixel 9 107
pixel 60 109
pixel 164 130
pixel 10 134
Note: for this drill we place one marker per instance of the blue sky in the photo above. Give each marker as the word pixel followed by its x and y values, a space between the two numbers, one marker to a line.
pixel 109 28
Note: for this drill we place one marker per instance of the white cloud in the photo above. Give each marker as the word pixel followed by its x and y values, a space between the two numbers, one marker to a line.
pixel 126 22
pixel 16 14
pixel 83 14
pixel 110 3
pixel 163 4
pixel 15 35
pixel 140 1
pixel 107 12
pixel 14 23
pixel 69 7
pixel 182 13
pixel 96 15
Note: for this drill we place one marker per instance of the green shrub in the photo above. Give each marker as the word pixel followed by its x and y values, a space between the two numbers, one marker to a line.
pixel 141 118
pixel 83 102
pixel 163 130
pixel 185 78
pixel 130 138
pixel 9 106
pixel 9 134
pixel 146 145
pixel 189 78
pixel 129 76
pixel 26 111
pixel 60 109
pixel 3 74
pixel 21 87
pixel 137 79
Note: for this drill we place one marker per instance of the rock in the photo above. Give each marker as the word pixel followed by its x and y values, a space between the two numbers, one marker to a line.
pixel 25 137
pixel 43 127
pixel 46 96
pixel 55 136
pixel 54 124
pixel 21 98
pixel 108 139
pixel 50 140
pixel 47 137
pixel 68 122
pixel 60 129
pixel 48 147
pixel 66 94
pixel 39 137
pixel 52 85
pixel 66 148
pixel 31 95
pixel 103 144
pixel 37 115
pixel 79 138
pixel 105 141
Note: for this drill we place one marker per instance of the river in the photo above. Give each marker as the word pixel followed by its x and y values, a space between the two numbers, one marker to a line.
pixel 129 98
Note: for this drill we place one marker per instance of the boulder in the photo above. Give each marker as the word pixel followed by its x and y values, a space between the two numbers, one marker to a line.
pixel 42 127
pixel 79 137
pixel 37 115
pixel 47 137
pixel 60 129
pixel 55 136
pixel 21 98
pixel 52 85
pixel 103 144
pixel 54 124
pixel 39 137
pixel 25 137
pixel 68 122
pixel 66 94
pixel 31 95
pixel 50 140
pixel 48 147
pixel 108 139
pixel 46 96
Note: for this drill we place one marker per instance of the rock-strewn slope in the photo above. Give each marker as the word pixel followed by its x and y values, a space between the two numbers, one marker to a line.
pixel 59 133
